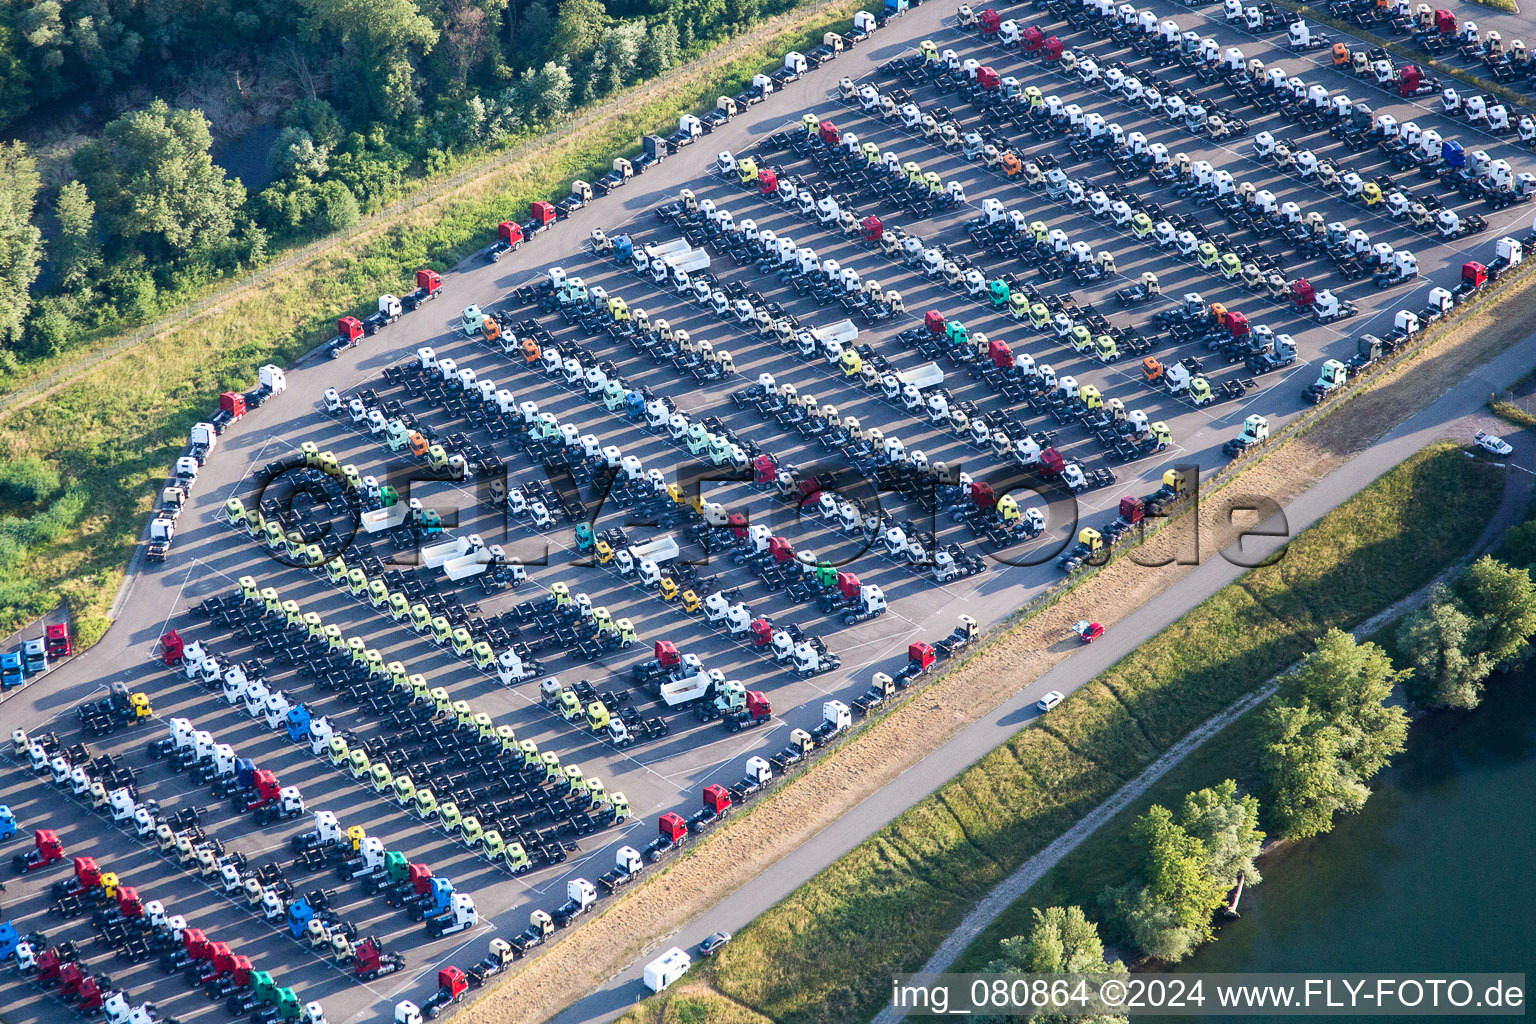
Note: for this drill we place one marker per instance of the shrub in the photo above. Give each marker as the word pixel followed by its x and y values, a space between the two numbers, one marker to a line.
pixel 336 207
pixel 28 479
pixel 296 153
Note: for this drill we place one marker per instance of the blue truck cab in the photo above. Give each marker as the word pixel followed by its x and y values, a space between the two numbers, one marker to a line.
pixel 439 898
pixel 298 724
pixel 300 913
pixel 11 671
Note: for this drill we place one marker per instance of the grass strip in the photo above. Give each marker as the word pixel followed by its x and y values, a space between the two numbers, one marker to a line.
pixel 692 1004
pixel 112 429
pixel 1108 856
pixel 1513 413
pixel 825 954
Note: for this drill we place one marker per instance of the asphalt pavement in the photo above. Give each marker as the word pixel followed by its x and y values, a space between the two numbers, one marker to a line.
pixel 1466 399
pixel 208 558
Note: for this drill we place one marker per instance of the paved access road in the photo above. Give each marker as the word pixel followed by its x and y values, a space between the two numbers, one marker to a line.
pixel 1463 406
pixel 208 558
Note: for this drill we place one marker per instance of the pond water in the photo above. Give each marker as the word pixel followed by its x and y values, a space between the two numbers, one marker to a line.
pixel 1430 876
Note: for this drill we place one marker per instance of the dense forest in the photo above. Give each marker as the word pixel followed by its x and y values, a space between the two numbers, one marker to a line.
pixel 112 208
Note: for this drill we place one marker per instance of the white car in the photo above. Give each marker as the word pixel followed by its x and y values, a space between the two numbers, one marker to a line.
pixel 1050 700
pixel 1493 443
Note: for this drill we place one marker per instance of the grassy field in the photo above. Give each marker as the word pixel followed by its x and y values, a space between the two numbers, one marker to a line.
pixel 1108 856
pixel 114 429
pixel 825 953
pixel 691 1004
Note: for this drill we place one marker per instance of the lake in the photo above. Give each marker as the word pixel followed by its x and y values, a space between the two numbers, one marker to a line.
pixel 1430 876
pixel 246 157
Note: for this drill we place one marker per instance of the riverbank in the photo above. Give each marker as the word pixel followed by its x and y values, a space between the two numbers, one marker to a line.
pixel 1108 857
pixel 1429 876
pixel 827 952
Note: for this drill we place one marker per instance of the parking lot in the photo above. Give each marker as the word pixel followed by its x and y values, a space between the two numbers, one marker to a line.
pixel 811 534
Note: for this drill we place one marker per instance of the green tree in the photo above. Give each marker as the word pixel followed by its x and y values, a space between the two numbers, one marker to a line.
pixel 659 49
pixel 1519 546
pixel 1445 649
pixel 468 39
pixel 1153 926
pixel 373 177
pixel 155 181
pixel 77 43
pixel 21 243
pixel 1305 769
pixel 1176 866
pixel 1328 732
pixel 578 29
pixel 318 118
pixel 1503 600
pixel 335 206
pixel 612 80
pixel 52 325
pixel 1349 683
pixel 131 287
pixel 1062 941
pixel 77 251
pixel 622 45
pixel 295 153
pixel 1228 825
pixel 15 80
pixel 742 12
pixel 530 33
pixel 377 39
pixel 255 238
pixel 546 93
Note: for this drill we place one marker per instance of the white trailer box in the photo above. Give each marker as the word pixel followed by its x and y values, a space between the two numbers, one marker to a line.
pixel 657 250
pixel 688 261
pixel 379 519
pixel 435 555
pixel 662 549
pixel 667 968
pixel 689 688
pixel 928 375
pixel 844 332
pixel 473 563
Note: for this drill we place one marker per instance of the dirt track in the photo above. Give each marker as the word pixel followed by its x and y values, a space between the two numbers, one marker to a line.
pixel 734 855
